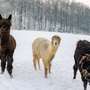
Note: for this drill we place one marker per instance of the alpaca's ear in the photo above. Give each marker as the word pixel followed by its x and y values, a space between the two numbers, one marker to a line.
pixel 10 17
pixel 0 16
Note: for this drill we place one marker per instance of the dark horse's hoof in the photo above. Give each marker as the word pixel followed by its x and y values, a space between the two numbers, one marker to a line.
pixel 74 77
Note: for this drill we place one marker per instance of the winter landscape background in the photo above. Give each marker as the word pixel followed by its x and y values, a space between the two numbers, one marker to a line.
pixel 48 15
pixel 34 18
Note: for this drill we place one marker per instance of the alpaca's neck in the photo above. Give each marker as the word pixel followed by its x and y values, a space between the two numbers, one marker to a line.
pixel 52 52
pixel 53 49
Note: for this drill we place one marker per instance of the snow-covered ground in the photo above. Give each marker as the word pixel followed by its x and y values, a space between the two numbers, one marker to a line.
pixel 26 78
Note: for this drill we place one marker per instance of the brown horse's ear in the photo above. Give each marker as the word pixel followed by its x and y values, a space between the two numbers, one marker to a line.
pixel 0 16
pixel 10 17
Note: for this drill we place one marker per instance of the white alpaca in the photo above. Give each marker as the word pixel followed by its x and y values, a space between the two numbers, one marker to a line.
pixel 45 50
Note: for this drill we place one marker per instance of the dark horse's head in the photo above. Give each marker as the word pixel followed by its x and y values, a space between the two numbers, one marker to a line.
pixel 5 24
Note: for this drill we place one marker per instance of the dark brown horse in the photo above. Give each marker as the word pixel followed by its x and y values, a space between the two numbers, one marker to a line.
pixel 82 61
pixel 7 44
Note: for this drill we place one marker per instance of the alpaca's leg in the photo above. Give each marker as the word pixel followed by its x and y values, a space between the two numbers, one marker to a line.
pixel 38 63
pixel 9 65
pixel 46 69
pixel 45 72
pixel 3 64
pixel 34 62
pixel 50 68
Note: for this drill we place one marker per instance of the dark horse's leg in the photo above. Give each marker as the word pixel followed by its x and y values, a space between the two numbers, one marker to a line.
pixel 75 68
pixel 85 85
pixel 3 64
pixel 9 65
pixel 77 58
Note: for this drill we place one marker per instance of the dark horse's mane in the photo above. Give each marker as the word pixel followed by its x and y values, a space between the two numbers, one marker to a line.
pixel 83 46
pixel 7 44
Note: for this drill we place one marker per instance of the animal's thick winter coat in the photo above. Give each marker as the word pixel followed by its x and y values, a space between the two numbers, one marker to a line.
pixel 45 50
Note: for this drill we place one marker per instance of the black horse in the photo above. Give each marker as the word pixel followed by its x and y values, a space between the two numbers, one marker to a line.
pixel 7 44
pixel 82 61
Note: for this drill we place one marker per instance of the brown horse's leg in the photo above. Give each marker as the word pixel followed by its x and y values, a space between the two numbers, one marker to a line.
pixel 3 64
pixel 9 65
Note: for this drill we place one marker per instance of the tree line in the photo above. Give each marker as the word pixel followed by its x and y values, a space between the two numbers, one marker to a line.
pixel 52 15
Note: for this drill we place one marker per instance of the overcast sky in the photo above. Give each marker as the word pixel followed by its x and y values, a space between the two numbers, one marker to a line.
pixel 8 4
pixel 5 6
pixel 86 2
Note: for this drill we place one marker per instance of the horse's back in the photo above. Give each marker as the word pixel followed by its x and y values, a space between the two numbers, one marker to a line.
pixel 83 47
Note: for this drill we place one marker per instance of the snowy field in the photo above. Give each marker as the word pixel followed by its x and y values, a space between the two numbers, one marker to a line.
pixel 26 78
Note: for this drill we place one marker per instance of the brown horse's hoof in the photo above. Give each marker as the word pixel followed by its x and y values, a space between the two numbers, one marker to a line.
pixel 1 72
pixel 11 76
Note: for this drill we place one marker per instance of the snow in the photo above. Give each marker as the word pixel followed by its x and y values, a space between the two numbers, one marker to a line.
pixel 26 78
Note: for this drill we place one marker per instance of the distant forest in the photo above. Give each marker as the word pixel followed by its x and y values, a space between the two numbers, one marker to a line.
pixel 52 15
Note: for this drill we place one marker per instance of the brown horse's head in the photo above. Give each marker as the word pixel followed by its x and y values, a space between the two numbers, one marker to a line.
pixel 5 24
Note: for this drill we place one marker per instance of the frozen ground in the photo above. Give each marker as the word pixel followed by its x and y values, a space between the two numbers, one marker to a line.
pixel 26 78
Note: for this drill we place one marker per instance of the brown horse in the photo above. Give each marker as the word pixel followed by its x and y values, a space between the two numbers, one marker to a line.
pixel 7 44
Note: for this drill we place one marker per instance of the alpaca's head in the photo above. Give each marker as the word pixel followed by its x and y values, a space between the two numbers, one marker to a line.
pixel 56 41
